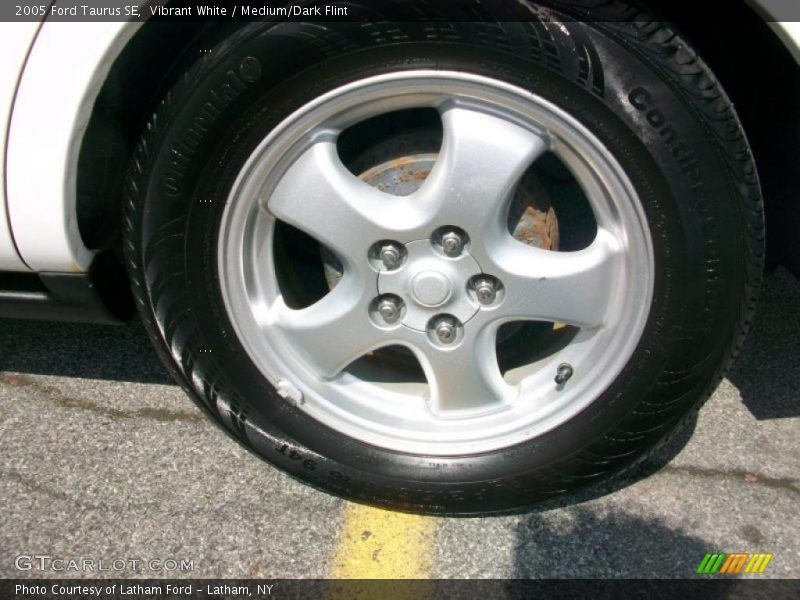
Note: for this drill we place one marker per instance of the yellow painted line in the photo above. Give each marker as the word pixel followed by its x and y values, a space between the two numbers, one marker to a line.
pixel 379 544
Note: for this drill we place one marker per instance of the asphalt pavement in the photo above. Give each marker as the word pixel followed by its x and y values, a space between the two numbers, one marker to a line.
pixel 105 459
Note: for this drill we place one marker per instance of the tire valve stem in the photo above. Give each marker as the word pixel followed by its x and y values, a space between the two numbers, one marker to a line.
pixel 563 373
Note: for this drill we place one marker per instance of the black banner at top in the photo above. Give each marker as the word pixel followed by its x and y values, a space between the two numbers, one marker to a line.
pixel 397 10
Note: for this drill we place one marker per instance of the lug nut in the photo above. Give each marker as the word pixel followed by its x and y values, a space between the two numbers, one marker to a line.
pixel 391 256
pixel 485 291
pixel 563 373
pixel 390 310
pixel 452 244
pixel 445 332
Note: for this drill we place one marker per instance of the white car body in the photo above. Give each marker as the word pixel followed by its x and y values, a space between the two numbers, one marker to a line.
pixel 50 77
pixel 67 63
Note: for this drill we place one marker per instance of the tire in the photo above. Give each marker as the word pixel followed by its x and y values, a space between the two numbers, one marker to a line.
pixel 635 90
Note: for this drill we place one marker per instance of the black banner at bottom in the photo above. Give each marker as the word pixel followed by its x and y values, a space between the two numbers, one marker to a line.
pixel 285 589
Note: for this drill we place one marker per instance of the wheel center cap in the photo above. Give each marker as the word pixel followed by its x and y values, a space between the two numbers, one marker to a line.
pixel 427 282
pixel 431 288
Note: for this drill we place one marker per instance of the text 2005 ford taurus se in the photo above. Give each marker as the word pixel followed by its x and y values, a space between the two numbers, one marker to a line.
pixel 449 263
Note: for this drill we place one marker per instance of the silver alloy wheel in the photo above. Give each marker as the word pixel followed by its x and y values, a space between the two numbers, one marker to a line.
pixel 492 133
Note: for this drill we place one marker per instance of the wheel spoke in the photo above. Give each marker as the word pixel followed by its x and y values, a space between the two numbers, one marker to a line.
pixel 575 288
pixel 334 331
pixel 319 196
pixel 466 376
pixel 480 164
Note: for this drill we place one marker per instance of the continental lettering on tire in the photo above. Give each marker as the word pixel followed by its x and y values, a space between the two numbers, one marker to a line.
pixel 181 152
pixel 642 100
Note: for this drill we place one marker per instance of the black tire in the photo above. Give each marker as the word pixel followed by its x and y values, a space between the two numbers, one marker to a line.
pixel 638 86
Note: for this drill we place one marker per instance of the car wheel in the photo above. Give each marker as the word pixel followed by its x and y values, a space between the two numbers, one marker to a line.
pixel 446 268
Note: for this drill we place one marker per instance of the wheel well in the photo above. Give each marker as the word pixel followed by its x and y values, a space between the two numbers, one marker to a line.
pixel 141 75
pixel 755 68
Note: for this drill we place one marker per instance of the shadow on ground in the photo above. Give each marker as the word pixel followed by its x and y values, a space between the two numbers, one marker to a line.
pixel 767 372
pixel 554 544
pixel 113 353
pixel 624 547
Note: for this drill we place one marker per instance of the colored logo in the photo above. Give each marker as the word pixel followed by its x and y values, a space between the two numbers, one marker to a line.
pixel 731 564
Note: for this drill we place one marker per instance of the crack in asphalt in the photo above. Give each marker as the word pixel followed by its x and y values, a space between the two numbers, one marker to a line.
pixel 785 484
pixel 54 493
pixel 51 393
pixel 57 494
